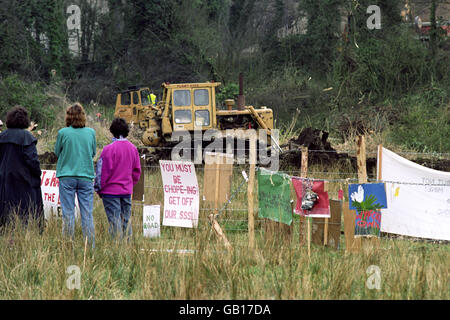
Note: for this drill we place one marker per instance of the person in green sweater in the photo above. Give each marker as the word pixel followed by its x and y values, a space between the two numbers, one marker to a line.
pixel 76 148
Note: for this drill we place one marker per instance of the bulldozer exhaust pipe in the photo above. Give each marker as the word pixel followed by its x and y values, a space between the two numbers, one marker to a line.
pixel 241 97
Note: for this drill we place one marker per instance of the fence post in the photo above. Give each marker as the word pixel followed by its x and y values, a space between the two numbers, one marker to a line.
pixel 362 178
pixel 216 191
pixel 325 229
pixel 250 194
pixel 303 174
pixel 219 231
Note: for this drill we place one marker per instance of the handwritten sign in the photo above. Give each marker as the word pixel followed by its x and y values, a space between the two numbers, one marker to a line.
pixel 181 194
pixel 418 198
pixel 367 223
pixel 50 187
pixel 50 195
pixel 151 221
pixel 274 196
pixel 367 199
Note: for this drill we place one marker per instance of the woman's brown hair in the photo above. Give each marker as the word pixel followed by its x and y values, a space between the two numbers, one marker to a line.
pixel 75 116
pixel 17 117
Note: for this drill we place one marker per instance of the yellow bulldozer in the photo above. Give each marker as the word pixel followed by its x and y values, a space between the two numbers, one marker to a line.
pixel 188 107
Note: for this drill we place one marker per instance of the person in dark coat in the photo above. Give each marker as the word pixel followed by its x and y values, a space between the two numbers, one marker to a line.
pixel 20 172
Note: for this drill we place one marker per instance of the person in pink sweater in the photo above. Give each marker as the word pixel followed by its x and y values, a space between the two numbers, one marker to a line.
pixel 118 170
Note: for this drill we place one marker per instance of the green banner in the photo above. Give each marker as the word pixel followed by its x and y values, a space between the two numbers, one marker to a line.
pixel 274 196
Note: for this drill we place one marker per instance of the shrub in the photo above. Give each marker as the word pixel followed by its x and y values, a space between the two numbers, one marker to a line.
pixel 31 95
pixel 424 121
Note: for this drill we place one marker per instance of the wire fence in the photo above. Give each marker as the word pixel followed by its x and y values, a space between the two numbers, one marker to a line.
pixel 445 155
pixel 233 214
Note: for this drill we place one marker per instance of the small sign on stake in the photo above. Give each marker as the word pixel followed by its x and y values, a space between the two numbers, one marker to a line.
pixel 151 221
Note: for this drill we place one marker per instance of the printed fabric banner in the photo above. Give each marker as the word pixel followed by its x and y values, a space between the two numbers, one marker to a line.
pixel 418 198
pixel 367 199
pixel 274 196
pixel 181 195
pixel 321 207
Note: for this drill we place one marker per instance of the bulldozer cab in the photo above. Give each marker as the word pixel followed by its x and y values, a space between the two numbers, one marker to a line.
pixel 131 104
pixel 193 105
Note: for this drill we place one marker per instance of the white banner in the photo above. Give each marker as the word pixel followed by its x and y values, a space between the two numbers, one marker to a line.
pixel 151 221
pixel 50 195
pixel 181 195
pixel 418 198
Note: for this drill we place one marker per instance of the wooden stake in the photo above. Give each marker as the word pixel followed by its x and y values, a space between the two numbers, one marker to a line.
pixel 362 178
pixel 376 241
pixel 216 191
pixel 304 167
pixel 309 237
pixel 380 162
pixel 303 174
pixel 251 182
pixel 325 229
pixel 85 249
pixel 219 232
pixel 361 160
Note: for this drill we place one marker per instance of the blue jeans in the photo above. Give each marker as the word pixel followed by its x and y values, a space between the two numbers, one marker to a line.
pixel 118 212
pixel 68 187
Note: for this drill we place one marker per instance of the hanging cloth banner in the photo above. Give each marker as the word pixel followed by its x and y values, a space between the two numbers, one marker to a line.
pixel 321 207
pixel 274 196
pixel 419 206
pixel 367 199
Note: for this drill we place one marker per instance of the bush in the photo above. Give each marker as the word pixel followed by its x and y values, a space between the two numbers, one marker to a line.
pixel 30 95
pixel 382 68
pixel 424 123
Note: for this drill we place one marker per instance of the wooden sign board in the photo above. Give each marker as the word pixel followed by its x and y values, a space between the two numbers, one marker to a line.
pixel 352 244
pixel 139 187
pixel 218 172
pixel 277 231
pixel 334 227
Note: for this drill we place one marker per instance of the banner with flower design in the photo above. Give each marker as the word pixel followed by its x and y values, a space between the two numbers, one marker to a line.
pixel 367 200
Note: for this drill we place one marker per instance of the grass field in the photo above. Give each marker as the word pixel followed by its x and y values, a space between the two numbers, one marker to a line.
pixel 34 266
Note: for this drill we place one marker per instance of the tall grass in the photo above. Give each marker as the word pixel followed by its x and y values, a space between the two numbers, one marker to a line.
pixel 34 266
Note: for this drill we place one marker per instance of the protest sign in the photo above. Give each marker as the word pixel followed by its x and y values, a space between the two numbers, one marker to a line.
pixel 367 199
pixel 321 208
pixel 50 195
pixel 151 221
pixel 274 196
pixel 418 198
pixel 181 194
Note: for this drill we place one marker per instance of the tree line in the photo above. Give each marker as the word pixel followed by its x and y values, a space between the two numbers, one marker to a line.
pixel 288 50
